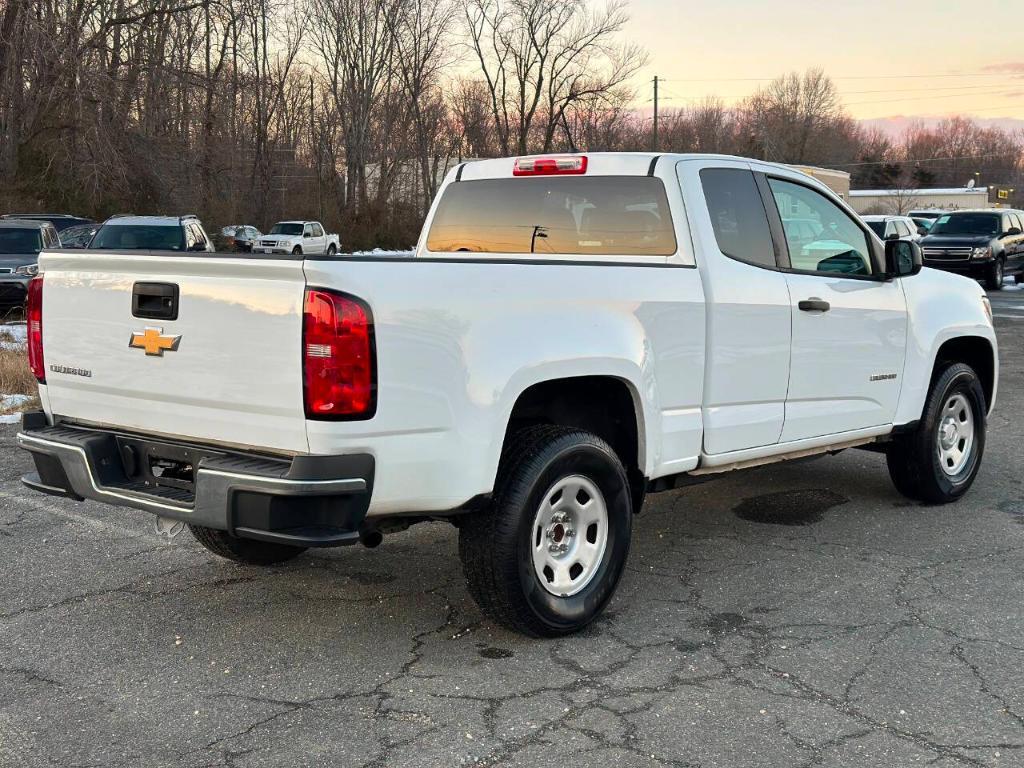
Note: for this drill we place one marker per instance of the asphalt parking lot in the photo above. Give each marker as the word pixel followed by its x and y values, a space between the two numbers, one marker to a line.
pixel 799 615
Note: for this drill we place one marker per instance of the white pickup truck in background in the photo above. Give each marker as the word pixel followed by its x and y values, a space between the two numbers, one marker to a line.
pixel 297 237
pixel 571 333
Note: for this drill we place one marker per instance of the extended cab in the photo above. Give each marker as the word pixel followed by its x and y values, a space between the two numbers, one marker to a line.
pixel 297 238
pixel 571 333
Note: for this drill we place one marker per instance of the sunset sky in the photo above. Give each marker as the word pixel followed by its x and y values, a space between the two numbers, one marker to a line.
pixel 869 47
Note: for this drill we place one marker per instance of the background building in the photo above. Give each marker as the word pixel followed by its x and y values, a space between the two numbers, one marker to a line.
pixel 900 201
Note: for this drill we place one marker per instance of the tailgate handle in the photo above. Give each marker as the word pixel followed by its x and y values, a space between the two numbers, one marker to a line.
pixel 155 301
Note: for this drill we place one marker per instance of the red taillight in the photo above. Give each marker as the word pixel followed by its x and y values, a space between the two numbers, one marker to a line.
pixel 34 318
pixel 337 356
pixel 568 165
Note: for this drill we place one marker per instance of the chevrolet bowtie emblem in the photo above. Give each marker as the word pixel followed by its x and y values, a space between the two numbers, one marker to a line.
pixel 153 341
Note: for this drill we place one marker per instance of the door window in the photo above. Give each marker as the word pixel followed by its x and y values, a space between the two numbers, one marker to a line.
pixel 307 231
pixel 837 245
pixel 902 229
pixel 738 216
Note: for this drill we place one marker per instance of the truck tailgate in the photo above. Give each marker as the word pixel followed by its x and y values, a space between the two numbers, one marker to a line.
pixel 226 370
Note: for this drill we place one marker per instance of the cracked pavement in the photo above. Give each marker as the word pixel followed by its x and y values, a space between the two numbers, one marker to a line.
pixel 796 615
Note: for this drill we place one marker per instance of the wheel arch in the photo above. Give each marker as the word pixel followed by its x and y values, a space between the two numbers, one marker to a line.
pixel 607 405
pixel 975 351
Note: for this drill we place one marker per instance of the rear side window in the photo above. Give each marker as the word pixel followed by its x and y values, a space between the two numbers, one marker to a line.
pixel 738 216
pixel 140 237
pixel 318 231
pixel 597 215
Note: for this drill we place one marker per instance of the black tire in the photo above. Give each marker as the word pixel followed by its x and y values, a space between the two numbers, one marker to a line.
pixel 248 551
pixel 297 250
pixel 913 458
pixel 331 250
pixel 994 277
pixel 1018 278
pixel 495 545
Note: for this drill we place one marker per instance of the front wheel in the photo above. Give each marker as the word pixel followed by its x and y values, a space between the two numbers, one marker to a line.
pixel 994 279
pixel 938 461
pixel 297 250
pixel 546 557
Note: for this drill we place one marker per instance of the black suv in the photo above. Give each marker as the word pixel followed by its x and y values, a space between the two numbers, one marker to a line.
pixel 984 244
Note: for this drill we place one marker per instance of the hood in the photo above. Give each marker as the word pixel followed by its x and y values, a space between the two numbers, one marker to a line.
pixel 15 260
pixel 943 241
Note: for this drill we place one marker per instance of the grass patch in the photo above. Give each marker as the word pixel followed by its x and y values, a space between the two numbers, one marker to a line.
pixel 16 379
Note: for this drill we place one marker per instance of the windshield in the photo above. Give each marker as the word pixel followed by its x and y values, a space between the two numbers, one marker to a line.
pixel 139 237
pixel 878 227
pixel 20 240
pixel 967 224
pixel 285 228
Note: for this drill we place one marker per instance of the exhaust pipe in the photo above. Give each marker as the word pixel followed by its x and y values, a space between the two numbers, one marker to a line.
pixel 371 538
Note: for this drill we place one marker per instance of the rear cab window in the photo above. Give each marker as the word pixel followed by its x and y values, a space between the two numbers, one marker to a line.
pixel 585 216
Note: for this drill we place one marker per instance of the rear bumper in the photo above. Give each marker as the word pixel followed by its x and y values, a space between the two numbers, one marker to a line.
pixel 309 501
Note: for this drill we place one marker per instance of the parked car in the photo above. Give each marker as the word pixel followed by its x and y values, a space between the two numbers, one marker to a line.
pixel 298 237
pixel 984 244
pixel 571 333
pixel 60 221
pixel 152 233
pixel 78 236
pixel 895 227
pixel 20 244
pixel 928 213
pixel 240 238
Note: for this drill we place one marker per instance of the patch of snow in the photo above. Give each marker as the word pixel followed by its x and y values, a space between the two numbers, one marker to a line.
pixel 408 254
pixel 13 335
pixel 12 401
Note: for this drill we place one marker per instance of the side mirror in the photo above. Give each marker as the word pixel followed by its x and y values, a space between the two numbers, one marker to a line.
pixel 307 234
pixel 902 258
pixel 922 231
pixel 1013 231
pixel 892 236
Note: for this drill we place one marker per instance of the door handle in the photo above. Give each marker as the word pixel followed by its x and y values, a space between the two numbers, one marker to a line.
pixel 814 304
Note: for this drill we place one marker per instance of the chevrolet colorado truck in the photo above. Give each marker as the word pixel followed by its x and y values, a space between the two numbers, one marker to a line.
pixel 297 238
pixel 570 333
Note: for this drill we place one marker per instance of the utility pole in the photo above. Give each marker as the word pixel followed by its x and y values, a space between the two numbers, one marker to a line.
pixel 654 137
pixel 315 146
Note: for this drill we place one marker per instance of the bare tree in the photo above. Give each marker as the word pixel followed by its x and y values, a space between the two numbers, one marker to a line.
pixel 540 58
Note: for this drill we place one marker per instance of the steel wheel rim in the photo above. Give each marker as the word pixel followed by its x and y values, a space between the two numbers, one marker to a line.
pixel 955 438
pixel 569 535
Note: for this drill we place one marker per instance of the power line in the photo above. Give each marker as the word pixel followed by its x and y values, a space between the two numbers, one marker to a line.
pixel 846 77
pixel 916 161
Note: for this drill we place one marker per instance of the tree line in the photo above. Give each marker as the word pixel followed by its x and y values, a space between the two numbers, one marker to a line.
pixel 245 111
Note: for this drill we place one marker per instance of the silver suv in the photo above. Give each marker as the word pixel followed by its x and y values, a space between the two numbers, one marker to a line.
pixel 152 233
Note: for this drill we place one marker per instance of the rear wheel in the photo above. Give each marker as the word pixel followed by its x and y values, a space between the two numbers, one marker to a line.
pixel 331 250
pixel 994 279
pixel 938 461
pixel 1019 278
pixel 248 551
pixel 547 556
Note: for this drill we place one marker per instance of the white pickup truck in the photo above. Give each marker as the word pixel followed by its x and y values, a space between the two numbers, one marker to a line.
pixel 571 333
pixel 297 238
